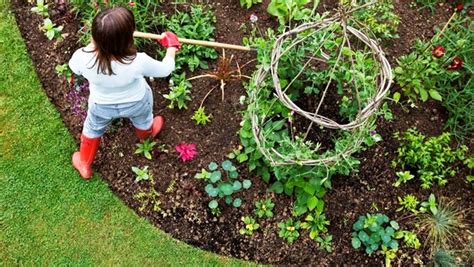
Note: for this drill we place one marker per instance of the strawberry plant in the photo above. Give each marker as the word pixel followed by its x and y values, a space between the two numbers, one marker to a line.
pixel 289 230
pixel 372 231
pixel 250 226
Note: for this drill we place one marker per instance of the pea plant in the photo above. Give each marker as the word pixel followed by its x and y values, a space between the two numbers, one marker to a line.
pixel 289 230
pixel 51 30
pixel 222 183
pixel 145 148
pixel 250 226
pixel 372 231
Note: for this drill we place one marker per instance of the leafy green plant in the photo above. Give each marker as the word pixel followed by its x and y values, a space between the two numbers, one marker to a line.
pixel 409 238
pixel 200 116
pixel 372 232
pixel 222 184
pixel 179 94
pixel 250 226
pixel 264 208
pixel 196 23
pixel 289 230
pixel 325 243
pixel 50 29
pixel 443 258
pixel 145 148
pixel 141 174
pixel 289 10
pixel 442 228
pixel 378 19
pixel 390 254
pixel 64 70
pixel 316 223
pixel 249 3
pixel 41 8
pixel 409 202
pixel 429 205
pixel 239 155
pixel 403 177
pixel 429 157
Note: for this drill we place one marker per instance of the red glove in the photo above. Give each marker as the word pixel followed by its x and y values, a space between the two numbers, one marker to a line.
pixel 170 40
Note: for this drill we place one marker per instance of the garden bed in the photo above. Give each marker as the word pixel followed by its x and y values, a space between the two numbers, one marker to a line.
pixel 184 204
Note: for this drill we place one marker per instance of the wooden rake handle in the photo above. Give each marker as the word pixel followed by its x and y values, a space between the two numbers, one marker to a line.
pixel 194 42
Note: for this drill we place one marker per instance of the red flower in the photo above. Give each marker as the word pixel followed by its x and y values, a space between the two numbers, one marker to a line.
pixel 438 51
pixel 459 7
pixel 186 152
pixel 456 64
pixel 132 4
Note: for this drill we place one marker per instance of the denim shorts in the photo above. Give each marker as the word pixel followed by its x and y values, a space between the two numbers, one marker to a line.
pixel 99 116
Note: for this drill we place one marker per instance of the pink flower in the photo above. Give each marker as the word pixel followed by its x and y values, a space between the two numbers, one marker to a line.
pixel 186 152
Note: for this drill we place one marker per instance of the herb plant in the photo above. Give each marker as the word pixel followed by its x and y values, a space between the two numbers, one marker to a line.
pixel 408 202
pixel 145 148
pixel 429 157
pixel 250 226
pixel 200 116
pixel 372 232
pixel 403 177
pixel 289 230
pixel 51 30
pixel 141 174
pixel 222 184
pixel 41 8
pixel 264 208
pixel 316 223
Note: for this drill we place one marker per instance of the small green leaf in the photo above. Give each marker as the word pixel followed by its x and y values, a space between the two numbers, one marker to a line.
pixel 226 188
pixel 237 185
pixel 227 165
pixel 215 176
pixel 213 166
pixel 395 225
pixel 356 243
pixel 233 175
pixel 213 204
pixel 312 202
pixel 435 95
pixel 237 202
pixel 276 187
pixel 247 184
pixel 396 97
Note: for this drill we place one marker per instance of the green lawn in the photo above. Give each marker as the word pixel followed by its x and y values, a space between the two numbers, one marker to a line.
pixel 48 215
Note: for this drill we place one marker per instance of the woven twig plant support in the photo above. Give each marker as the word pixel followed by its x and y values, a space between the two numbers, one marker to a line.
pixel 357 127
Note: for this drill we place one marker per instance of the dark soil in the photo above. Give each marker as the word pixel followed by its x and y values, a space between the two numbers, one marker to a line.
pixel 184 212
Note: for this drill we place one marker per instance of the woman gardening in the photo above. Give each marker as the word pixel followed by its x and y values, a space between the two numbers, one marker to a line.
pixel 118 89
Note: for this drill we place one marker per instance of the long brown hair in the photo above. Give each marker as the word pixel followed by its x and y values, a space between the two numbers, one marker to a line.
pixel 112 31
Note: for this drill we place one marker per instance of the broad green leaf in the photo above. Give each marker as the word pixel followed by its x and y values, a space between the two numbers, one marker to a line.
pixel 247 184
pixel 215 176
pixel 237 202
pixel 226 165
pixel 213 166
pixel 356 243
pixel 213 204
pixel 435 95
pixel 312 202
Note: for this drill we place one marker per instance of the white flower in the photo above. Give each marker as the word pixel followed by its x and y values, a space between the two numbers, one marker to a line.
pixel 253 18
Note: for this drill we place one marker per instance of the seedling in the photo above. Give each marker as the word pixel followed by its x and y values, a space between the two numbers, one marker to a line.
pixel 179 94
pixel 149 197
pixel 40 8
pixel 409 238
pixel 403 177
pixel 50 29
pixel 141 174
pixel 64 70
pixel 250 226
pixel 145 148
pixel 289 230
pixel 430 205
pixel 200 116
pixel 316 223
pixel 409 202
pixel 264 208
pixel 325 243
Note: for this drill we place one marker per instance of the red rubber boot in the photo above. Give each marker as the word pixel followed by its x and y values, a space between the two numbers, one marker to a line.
pixel 82 160
pixel 155 129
